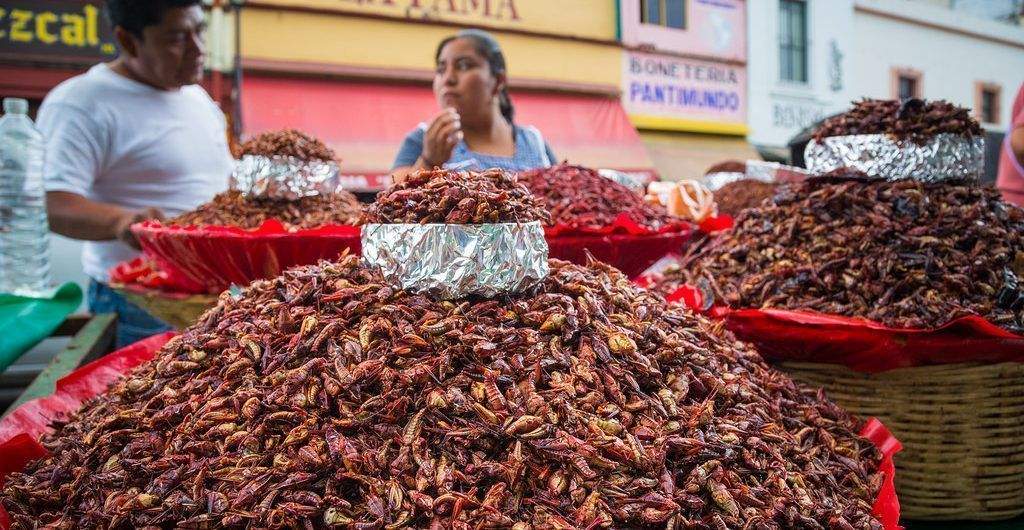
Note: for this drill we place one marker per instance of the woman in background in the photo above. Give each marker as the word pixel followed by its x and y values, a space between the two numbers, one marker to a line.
pixel 474 129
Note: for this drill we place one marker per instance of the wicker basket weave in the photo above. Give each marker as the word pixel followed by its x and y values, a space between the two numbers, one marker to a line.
pixel 180 311
pixel 962 429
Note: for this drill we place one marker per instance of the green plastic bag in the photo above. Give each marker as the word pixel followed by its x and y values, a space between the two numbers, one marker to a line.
pixel 24 321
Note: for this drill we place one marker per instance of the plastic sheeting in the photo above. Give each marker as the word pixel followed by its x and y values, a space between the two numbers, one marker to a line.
pixel 860 344
pixel 211 259
pixel 630 254
pixel 24 321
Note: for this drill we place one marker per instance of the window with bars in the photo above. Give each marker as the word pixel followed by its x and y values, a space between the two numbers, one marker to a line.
pixel 668 13
pixel 793 41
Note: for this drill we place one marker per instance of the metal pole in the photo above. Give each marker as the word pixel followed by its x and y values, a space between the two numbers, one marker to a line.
pixel 217 77
pixel 237 74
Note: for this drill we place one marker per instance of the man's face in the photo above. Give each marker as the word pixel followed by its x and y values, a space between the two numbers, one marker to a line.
pixel 172 53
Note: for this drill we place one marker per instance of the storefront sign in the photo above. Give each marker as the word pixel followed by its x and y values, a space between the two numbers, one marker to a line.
pixel 662 92
pixel 793 117
pixel 64 29
pixel 583 18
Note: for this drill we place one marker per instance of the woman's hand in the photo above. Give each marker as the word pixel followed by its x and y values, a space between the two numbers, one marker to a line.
pixel 443 134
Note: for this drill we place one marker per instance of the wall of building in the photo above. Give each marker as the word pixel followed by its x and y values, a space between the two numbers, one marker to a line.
pixel 780 109
pixel 686 89
pixel 953 51
pixel 396 39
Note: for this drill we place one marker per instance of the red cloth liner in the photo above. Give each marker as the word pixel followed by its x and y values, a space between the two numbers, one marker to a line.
pixel 716 223
pixel 210 259
pixel 142 274
pixel 887 504
pixel 623 224
pixel 861 344
pixel 21 429
pixel 631 254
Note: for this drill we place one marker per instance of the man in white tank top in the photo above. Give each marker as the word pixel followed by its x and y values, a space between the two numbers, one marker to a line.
pixel 133 139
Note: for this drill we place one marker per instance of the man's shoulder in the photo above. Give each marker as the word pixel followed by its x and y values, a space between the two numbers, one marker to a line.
pixel 82 91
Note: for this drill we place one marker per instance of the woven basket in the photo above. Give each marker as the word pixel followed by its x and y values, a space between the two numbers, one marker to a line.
pixel 962 429
pixel 180 311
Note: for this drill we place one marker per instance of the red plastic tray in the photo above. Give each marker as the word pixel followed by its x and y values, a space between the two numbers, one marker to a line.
pixel 210 259
pixel 631 254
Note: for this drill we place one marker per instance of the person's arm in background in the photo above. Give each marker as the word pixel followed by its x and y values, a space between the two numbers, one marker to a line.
pixel 551 154
pixel 75 216
pixel 75 151
pixel 430 148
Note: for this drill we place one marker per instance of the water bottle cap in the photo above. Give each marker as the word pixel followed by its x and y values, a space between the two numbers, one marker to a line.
pixel 15 106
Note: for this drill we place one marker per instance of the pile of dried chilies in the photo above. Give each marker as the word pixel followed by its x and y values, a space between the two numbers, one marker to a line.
pixel 581 198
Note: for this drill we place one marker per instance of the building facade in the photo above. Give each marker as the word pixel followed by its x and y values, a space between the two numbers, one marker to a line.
pixel 800 54
pixel 685 81
pixel 932 51
pixel 811 58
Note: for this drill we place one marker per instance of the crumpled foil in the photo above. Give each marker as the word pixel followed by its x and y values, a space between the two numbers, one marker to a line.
pixel 284 177
pixel 715 181
pixel 945 157
pixel 756 170
pixel 452 261
pixel 622 178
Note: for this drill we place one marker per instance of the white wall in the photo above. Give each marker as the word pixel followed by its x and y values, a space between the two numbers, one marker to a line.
pixel 950 61
pixel 778 110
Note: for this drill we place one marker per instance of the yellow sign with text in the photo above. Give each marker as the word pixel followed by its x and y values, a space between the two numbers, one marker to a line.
pixel 313 39
pixel 593 19
pixel 54 28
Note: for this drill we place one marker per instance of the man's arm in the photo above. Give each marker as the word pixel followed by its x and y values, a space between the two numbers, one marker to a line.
pixel 77 217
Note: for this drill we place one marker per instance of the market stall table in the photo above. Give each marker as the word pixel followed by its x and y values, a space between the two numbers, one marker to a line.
pixel 93 337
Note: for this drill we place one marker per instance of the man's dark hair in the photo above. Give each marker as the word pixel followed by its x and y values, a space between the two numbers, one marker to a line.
pixel 136 15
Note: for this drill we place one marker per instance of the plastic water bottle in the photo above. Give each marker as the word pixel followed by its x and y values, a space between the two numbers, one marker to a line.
pixel 24 232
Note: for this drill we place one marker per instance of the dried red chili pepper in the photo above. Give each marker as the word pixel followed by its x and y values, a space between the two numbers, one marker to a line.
pixel 580 197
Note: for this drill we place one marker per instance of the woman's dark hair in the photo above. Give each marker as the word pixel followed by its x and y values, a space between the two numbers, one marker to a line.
pixel 136 15
pixel 487 46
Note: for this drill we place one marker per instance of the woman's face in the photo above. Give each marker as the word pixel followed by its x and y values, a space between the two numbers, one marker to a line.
pixel 463 79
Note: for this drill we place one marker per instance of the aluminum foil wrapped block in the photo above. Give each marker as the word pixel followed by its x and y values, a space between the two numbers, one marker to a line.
pixel 622 178
pixel 945 157
pixel 714 181
pixel 284 177
pixel 452 261
pixel 756 170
